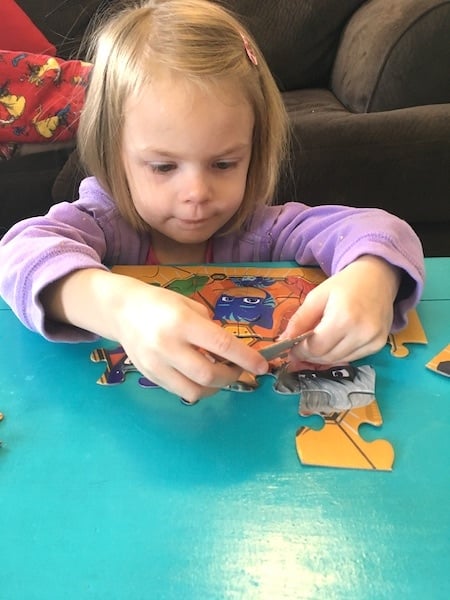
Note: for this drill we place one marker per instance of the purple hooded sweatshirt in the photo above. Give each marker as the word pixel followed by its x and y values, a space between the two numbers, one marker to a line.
pixel 90 232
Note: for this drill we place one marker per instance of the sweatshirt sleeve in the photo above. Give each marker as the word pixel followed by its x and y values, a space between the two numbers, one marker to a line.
pixel 350 233
pixel 87 233
pixel 40 250
pixel 333 236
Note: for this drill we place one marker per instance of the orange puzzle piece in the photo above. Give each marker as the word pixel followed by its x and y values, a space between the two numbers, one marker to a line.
pixel 338 443
pixel 441 362
pixel 413 333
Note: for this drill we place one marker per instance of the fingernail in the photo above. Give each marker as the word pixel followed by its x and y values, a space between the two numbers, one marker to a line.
pixel 187 402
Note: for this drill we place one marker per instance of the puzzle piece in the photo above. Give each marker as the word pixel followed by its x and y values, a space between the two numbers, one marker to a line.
pixel 413 333
pixel 338 444
pixel 117 366
pixel 254 304
pixel 330 389
pixel 344 396
pixel 441 362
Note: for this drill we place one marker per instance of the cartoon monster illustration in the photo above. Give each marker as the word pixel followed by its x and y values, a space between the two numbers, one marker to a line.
pixel 325 390
pixel 245 304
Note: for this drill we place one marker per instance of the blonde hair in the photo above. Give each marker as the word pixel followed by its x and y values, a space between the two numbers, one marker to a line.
pixel 201 41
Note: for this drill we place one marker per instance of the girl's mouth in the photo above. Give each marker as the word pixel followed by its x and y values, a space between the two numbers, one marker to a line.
pixel 192 222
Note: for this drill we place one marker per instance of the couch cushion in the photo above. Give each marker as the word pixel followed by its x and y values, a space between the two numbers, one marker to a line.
pixel 369 159
pixel 394 55
pixel 299 38
pixel 26 184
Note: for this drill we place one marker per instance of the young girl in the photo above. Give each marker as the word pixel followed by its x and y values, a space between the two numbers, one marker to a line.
pixel 184 131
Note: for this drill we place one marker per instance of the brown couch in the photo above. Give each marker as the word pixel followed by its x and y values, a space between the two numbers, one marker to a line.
pixel 367 87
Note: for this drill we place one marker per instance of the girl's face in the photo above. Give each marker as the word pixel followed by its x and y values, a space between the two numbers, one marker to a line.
pixel 186 152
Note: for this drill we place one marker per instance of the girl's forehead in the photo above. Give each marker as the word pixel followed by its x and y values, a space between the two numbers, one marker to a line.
pixel 181 113
pixel 162 86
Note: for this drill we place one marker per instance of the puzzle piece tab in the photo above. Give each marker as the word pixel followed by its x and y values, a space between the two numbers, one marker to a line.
pixel 338 443
pixel 413 333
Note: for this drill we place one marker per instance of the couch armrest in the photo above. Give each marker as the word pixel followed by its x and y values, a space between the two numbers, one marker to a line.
pixel 394 55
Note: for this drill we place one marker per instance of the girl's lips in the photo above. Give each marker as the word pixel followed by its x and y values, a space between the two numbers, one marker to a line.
pixel 192 222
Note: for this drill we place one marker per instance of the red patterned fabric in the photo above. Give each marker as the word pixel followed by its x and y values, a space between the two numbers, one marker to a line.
pixel 40 97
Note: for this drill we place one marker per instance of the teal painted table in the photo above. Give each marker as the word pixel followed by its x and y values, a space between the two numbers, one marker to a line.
pixel 124 493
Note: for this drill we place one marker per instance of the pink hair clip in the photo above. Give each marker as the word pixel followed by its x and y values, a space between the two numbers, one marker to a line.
pixel 249 49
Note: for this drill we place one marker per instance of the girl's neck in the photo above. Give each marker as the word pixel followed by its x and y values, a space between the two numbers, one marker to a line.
pixel 179 254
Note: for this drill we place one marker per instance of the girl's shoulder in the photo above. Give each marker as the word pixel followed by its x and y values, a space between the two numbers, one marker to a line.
pixel 93 197
pixel 93 206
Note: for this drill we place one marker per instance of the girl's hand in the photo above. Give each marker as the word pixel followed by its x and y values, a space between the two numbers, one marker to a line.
pixel 351 313
pixel 173 342
pixel 169 338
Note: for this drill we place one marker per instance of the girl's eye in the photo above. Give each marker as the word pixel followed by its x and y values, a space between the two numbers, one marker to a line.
pixel 162 167
pixel 224 164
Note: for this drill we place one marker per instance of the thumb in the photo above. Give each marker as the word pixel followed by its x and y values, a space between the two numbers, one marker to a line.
pixel 307 316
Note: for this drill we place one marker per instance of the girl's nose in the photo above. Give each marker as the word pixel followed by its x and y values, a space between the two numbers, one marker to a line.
pixel 197 187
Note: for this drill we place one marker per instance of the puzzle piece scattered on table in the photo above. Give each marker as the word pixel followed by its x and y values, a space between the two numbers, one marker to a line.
pixel 255 305
pixel 344 396
pixel 413 333
pixel 441 362
pixel 338 443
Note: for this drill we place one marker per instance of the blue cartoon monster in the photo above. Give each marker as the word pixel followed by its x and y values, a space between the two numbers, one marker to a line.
pixel 245 305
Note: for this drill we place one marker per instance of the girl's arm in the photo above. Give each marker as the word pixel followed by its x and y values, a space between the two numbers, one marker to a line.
pixel 332 237
pixel 376 269
pixel 51 273
pixel 351 313
pixel 168 337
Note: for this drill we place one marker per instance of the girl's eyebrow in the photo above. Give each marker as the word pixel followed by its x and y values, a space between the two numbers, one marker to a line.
pixel 225 151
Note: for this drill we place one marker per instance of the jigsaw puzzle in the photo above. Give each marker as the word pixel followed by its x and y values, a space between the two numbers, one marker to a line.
pixel 255 304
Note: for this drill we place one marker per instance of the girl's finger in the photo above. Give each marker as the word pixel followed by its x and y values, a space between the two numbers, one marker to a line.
pixel 219 342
